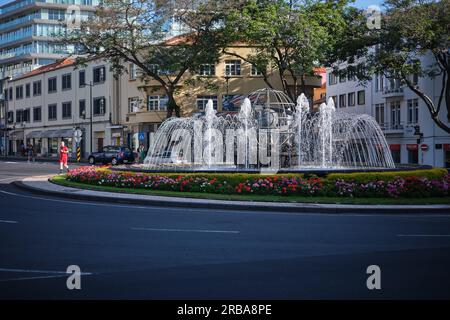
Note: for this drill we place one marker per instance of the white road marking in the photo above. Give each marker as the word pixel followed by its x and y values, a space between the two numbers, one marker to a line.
pixel 11 178
pixel 423 235
pixel 38 271
pixel 10 162
pixel 8 221
pixel 53 274
pixel 185 230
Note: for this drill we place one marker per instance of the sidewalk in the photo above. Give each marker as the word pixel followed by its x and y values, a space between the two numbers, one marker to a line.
pixel 39 159
pixel 41 185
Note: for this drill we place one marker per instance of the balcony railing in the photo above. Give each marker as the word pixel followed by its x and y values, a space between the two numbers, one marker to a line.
pixel 393 126
pixel 393 92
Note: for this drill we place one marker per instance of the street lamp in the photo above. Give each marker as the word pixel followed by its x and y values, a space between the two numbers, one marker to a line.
pixel 90 110
pixel 227 77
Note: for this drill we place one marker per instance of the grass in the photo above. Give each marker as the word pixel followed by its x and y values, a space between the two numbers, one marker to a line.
pixel 270 198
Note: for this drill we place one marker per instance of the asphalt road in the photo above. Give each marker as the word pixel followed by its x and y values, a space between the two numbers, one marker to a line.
pixel 127 251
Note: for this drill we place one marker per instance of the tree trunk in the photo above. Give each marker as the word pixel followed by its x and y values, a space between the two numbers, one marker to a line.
pixel 172 104
pixel 430 105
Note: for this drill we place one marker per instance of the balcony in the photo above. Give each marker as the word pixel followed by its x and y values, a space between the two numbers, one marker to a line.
pixel 393 127
pixel 389 92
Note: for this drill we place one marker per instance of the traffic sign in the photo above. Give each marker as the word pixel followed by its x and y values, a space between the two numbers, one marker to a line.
pixel 77 134
pixel 424 147
pixel 141 136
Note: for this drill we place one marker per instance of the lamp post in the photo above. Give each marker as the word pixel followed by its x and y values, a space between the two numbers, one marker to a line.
pixel 90 113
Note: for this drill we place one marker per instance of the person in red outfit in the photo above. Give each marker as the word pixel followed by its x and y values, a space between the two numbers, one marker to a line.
pixel 63 156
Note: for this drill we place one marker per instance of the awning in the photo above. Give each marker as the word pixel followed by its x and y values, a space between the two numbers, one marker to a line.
pixel 447 146
pixel 34 134
pixel 65 133
pixel 412 147
pixel 49 134
pixel 394 147
pixel 16 135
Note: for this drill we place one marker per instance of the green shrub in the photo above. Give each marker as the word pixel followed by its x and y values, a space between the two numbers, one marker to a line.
pixel 365 177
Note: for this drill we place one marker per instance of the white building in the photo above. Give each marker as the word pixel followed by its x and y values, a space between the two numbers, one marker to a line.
pixel 46 105
pixel 412 135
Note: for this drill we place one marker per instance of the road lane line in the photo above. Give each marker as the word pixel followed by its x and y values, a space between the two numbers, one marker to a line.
pixel 8 221
pixel 185 230
pixel 423 235
pixel 39 271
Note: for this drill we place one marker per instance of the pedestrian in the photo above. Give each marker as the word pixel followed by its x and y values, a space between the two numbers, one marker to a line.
pixel 63 157
pixel 30 150
pixel 142 152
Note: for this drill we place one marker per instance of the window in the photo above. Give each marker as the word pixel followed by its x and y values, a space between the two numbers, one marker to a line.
pixel 5 92
pixel 52 85
pixel 157 102
pixel 37 88
pixel 233 67
pixel 82 78
pixel 133 104
pixel 82 108
pixel 67 81
pixel 10 93
pixel 66 110
pixel 132 71
pixel 99 106
pixel 413 111
pixel 19 116
pixel 351 75
pixel 342 102
pixel 203 100
pixel 10 117
pixel 379 82
pixel 395 114
pixel 361 97
pixel 19 92
pixel 52 145
pixel 332 79
pixel 26 115
pixel 342 79
pixel 27 90
pixel 52 114
pixel 207 69
pixel 99 74
pixel 255 71
pixel 379 113
pixel 37 114
pixel 415 79
pixel 334 100
pixel 351 99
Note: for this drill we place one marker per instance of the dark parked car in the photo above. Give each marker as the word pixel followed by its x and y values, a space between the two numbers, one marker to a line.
pixel 113 155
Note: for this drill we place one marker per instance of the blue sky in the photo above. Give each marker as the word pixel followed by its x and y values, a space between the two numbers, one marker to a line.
pixel 358 3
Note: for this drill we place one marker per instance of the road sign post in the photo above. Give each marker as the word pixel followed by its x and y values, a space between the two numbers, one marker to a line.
pixel 77 135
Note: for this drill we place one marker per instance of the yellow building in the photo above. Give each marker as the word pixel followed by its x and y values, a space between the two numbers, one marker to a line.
pixel 226 83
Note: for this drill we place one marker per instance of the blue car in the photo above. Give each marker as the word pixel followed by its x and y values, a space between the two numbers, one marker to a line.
pixel 112 154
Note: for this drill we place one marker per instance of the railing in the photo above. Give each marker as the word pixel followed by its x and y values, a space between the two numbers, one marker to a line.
pixel 392 126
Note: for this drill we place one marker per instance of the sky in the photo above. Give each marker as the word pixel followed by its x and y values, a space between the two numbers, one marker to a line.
pixel 363 4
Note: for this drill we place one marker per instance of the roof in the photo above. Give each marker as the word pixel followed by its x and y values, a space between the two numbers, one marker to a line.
pixel 48 67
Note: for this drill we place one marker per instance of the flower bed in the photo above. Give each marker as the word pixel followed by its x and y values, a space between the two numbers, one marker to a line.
pixel 415 184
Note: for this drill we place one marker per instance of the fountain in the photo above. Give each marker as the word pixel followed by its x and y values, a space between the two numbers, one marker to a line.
pixel 270 131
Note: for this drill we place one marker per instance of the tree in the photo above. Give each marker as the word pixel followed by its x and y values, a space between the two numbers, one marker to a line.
pixel 410 30
pixel 291 37
pixel 136 31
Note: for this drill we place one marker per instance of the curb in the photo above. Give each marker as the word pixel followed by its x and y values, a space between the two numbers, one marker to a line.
pixel 55 160
pixel 248 206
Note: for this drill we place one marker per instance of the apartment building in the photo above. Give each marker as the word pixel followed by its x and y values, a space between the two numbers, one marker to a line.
pixel 44 107
pixel 29 31
pixel 412 135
